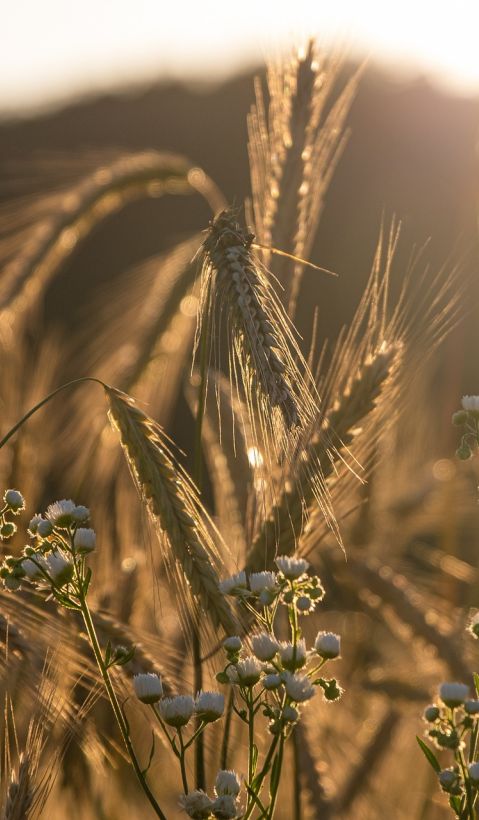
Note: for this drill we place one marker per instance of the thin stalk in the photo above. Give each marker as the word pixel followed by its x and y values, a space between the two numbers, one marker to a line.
pixel 114 702
pixel 198 476
pixel 274 793
pixel 296 778
pixel 184 778
pixel 43 402
pixel 227 731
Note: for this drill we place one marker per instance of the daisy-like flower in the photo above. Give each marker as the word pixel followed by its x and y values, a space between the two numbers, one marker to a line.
pixel 196 804
pixel 235 585
pixel 453 694
pixel 271 682
pixel 248 671
pixel 298 687
pixel 84 540
pixel 431 713
pixel 292 656
pixel 259 581
pixel 15 500
pixel 60 513
pixel 59 568
pixel 80 514
pixel 292 568
pixel 471 707
pixel 148 687
pixel 177 711
pixel 33 524
pixel 44 528
pixel 473 625
pixel 264 646
pixel 470 403
pixel 31 568
pixel 232 644
pixel 225 807
pixel 290 714
pixel 304 604
pixel 447 779
pixel 227 782
pixel 209 706
pixel 328 645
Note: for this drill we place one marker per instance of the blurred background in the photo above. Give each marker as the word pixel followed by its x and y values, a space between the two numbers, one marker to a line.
pixel 80 86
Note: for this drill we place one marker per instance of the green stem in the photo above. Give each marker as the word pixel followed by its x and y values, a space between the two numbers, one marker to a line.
pixel 114 701
pixel 184 778
pixel 274 793
pixel 43 402
pixel 227 730
pixel 262 774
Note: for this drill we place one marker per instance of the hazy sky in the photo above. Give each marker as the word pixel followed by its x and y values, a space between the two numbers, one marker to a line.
pixel 50 49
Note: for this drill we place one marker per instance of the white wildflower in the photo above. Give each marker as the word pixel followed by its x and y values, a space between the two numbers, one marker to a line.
pixel 264 646
pixel 293 656
pixel 209 706
pixel 271 682
pixel 248 671
pixel 473 625
pixel 196 804
pixel 453 694
pixel 32 569
pixel 292 568
pixel 34 522
pixel 471 707
pixel 290 714
pixel 233 643
pixel 470 403
pixel 259 581
pixel 304 604
pixel 60 513
pixel 44 528
pixel 15 500
pixel 177 711
pixel 447 779
pixel 431 713
pixel 227 782
pixel 148 687
pixel 225 807
pixel 235 585
pixel 328 645
pixel 59 568
pixel 298 687
pixel 232 674
pixel 84 540
pixel 80 514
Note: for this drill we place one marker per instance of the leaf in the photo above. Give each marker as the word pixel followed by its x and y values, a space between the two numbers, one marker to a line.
pixel 429 755
pixel 476 683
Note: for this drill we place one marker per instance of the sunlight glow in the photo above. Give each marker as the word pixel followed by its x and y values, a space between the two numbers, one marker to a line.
pixel 54 49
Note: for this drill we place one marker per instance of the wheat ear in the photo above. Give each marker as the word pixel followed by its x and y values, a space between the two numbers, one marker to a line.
pixel 173 505
pixel 106 190
pixel 19 795
pixel 283 526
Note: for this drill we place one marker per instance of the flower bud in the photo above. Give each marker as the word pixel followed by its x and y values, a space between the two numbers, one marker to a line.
pixel 14 499
pixel 432 713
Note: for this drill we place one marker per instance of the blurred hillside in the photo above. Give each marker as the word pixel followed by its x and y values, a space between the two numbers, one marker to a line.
pixel 412 153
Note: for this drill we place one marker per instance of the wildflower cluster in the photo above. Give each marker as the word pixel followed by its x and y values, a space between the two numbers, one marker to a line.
pixel 224 804
pixel 453 726
pixel 58 547
pixel 174 714
pixel 468 419
pixel 272 676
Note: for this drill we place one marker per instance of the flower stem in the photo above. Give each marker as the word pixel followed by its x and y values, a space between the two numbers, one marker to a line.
pixel 113 698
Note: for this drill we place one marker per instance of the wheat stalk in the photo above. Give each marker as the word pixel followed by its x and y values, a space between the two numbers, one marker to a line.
pixel 280 531
pixel 50 241
pixel 173 506
pixel 19 795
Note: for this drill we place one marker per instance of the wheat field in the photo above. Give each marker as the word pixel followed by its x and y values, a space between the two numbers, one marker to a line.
pixel 162 633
